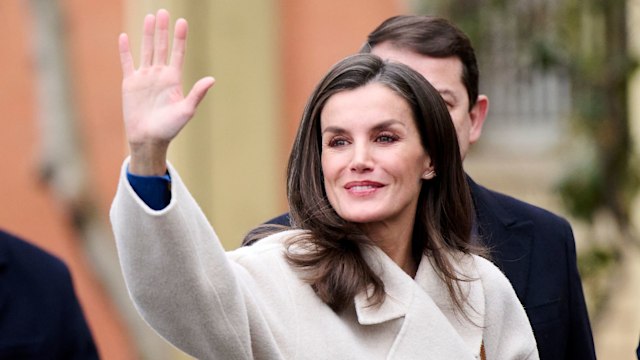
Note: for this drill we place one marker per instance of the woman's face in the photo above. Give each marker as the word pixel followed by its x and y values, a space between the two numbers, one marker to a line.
pixel 372 156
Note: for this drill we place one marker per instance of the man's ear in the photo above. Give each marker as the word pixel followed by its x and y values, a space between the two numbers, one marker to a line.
pixel 477 115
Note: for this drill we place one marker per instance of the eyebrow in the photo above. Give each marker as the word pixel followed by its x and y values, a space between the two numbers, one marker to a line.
pixel 382 125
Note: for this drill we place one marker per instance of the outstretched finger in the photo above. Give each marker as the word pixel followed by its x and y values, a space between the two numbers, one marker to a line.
pixel 198 91
pixel 126 60
pixel 161 37
pixel 146 53
pixel 179 43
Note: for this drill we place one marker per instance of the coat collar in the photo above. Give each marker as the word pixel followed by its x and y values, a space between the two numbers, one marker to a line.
pixel 424 303
pixel 399 290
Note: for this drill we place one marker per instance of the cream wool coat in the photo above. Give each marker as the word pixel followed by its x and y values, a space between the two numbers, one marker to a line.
pixel 250 304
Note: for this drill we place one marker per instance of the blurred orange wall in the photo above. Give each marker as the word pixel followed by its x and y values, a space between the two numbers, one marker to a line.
pixel 30 210
pixel 317 34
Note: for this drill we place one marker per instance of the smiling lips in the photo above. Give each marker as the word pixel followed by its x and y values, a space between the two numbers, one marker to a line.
pixel 362 188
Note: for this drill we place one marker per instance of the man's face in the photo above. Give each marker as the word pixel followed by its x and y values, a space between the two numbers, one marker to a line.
pixel 445 74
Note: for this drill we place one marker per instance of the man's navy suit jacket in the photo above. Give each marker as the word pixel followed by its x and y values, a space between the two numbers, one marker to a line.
pixel 40 317
pixel 536 251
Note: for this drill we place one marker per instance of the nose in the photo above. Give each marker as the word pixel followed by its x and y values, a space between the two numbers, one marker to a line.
pixel 362 159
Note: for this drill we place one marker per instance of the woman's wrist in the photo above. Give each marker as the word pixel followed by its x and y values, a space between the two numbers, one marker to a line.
pixel 148 159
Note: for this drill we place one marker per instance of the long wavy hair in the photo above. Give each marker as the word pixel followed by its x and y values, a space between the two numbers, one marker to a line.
pixel 332 258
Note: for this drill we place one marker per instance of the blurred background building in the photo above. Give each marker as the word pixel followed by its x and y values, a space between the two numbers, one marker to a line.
pixel 63 140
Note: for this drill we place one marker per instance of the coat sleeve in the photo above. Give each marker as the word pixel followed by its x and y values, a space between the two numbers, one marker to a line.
pixel 178 275
pixel 580 344
pixel 507 333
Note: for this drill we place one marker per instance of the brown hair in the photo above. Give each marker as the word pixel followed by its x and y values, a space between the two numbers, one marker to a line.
pixel 332 260
pixel 430 36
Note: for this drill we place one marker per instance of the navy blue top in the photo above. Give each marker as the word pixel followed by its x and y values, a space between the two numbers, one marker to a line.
pixel 155 191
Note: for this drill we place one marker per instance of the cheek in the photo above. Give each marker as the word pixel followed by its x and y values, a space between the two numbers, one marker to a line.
pixel 410 167
pixel 458 119
pixel 330 178
pixel 330 168
pixel 333 162
pixel 462 123
pixel 326 166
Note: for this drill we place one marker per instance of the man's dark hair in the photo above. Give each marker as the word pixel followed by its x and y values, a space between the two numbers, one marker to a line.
pixel 431 36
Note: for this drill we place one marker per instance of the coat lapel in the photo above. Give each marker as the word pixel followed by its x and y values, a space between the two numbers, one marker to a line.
pixel 469 327
pixel 425 325
pixel 508 238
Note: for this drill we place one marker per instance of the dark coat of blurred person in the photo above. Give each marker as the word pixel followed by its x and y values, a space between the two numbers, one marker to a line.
pixel 40 317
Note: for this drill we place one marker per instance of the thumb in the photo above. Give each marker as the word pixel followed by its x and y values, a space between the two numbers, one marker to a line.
pixel 199 90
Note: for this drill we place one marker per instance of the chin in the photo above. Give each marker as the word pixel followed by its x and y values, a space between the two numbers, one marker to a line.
pixel 362 218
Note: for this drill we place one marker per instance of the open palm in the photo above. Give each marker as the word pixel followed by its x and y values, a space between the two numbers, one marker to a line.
pixel 154 106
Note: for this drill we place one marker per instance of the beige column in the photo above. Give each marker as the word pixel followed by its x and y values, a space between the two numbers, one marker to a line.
pixel 634 90
pixel 226 155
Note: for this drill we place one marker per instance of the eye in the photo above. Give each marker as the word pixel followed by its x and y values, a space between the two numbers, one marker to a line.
pixel 337 142
pixel 449 101
pixel 386 138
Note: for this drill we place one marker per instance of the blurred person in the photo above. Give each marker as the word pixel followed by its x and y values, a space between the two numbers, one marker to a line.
pixel 533 247
pixel 40 317
pixel 380 265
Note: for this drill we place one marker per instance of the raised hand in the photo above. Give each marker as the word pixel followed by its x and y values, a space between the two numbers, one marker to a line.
pixel 154 107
